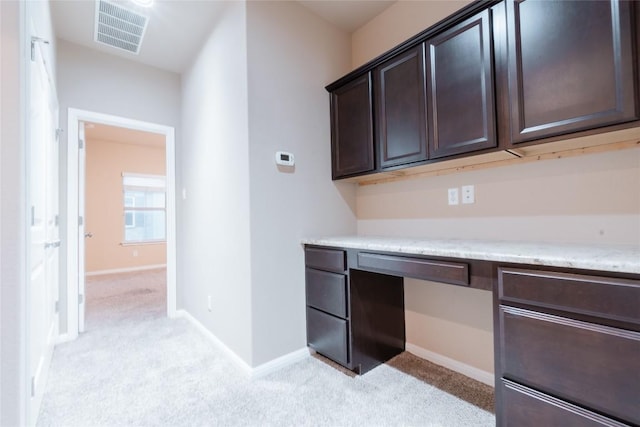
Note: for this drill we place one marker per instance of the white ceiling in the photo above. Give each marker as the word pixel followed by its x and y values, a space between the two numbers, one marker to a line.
pixel 174 35
pixel 177 28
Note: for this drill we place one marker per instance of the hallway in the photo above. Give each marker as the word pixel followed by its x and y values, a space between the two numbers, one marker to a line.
pixel 134 366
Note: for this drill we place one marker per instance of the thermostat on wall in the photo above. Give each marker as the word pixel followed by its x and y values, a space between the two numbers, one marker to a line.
pixel 285 159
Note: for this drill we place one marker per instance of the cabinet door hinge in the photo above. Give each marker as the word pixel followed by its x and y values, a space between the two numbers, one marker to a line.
pixel 56 307
pixel 80 221
pixel 33 386
pixel 80 144
pixel 80 298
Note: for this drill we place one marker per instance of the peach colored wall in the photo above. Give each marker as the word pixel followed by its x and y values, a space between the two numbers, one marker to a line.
pixel 396 24
pixel 591 199
pixel 106 161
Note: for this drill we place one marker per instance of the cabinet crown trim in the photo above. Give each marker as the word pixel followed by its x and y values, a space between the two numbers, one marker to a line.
pixel 453 19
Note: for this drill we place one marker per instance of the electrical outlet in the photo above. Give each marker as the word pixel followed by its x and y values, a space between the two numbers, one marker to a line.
pixel 453 196
pixel 468 194
pixel 135 252
pixel 209 304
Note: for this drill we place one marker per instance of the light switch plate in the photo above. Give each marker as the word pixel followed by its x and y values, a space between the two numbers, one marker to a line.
pixel 453 196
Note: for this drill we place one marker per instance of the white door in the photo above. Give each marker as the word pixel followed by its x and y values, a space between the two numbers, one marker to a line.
pixel 44 243
pixel 81 232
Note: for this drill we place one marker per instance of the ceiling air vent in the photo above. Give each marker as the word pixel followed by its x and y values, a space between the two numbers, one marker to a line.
pixel 119 27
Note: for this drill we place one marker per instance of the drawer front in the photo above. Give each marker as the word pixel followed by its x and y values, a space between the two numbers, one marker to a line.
pixel 325 259
pixel 594 366
pixel 327 291
pixel 417 268
pixel 328 335
pixel 616 299
pixel 524 407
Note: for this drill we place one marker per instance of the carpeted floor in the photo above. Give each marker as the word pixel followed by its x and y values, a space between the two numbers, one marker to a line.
pixel 135 367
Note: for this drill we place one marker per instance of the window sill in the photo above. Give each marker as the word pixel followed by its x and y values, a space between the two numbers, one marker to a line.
pixel 144 243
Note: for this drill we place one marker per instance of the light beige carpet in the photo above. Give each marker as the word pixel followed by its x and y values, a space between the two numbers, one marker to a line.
pixel 135 367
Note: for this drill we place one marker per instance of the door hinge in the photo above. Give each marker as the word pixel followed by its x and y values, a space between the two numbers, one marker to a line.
pixel 33 216
pixel 80 220
pixel 35 40
pixel 80 144
pixel 80 298
pixel 56 307
pixel 33 386
pixel 59 132
pixel 56 220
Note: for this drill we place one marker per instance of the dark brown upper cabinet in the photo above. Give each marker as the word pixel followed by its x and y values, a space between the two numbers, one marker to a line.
pixel 460 88
pixel 400 109
pixel 494 75
pixel 570 66
pixel 352 128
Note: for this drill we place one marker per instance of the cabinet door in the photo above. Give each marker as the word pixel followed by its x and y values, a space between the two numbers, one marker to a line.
pixel 352 128
pixel 585 363
pixel 401 118
pixel 328 335
pixel 460 89
pixel 571 66
pixel 525 407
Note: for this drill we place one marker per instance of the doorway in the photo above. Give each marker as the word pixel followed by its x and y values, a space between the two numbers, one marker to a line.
pixel 125 223
pixel 76 229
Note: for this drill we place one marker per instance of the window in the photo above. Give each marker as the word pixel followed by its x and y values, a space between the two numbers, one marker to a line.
pixel 144 208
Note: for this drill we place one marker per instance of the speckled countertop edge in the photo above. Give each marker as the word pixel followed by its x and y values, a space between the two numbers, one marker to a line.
pixel 611 258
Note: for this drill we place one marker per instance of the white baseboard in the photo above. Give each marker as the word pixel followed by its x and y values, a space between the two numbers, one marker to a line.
pixel 462 368
pixel 253 373
pixel 279 363
pixel 237 360
pixel 63 338
pixel 125 270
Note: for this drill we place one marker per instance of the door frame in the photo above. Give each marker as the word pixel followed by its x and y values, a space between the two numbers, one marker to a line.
pixel 73 268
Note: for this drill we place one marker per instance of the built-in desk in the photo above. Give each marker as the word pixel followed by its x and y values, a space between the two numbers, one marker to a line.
pixel 566 317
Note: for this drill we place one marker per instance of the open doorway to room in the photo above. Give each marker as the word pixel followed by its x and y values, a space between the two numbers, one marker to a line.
pixel 121 218
pixel 125 251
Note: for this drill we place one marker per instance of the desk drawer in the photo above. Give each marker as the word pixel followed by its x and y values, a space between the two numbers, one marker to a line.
pixel 591 365
pixel 327 291
pixel 524 407
pixel 328 335
pixel 325 259
pixel 456 273
pixel 616 299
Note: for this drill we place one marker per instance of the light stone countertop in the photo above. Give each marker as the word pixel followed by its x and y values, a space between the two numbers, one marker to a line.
pixel 612 258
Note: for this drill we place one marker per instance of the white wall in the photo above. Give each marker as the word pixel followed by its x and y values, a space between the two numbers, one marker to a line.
pixel 95 81
pixel 12 220
pixel 292 54
pixel 590 199
pixel 214 253
pixel 255 88
pixel 98 82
